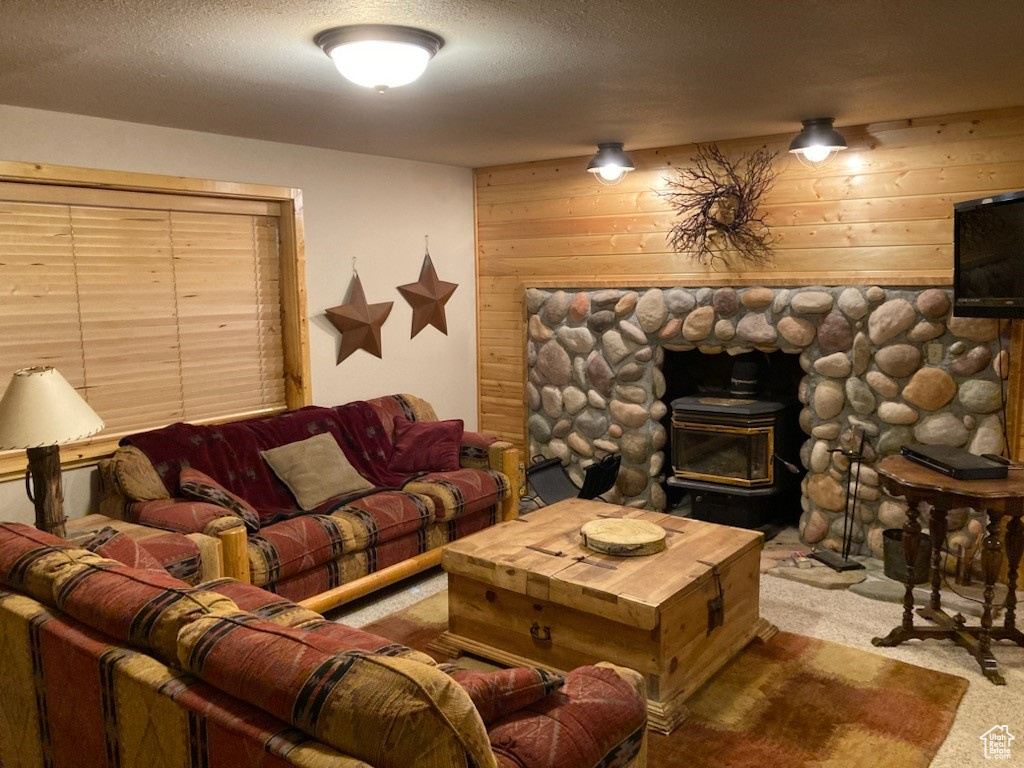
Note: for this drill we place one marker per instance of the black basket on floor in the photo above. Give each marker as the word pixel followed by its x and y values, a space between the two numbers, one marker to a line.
pixel 895 562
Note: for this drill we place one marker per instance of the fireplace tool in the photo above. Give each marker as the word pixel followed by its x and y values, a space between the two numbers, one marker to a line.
pixel 840 561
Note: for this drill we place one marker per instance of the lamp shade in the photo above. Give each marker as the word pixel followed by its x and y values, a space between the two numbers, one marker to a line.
pixel 40 408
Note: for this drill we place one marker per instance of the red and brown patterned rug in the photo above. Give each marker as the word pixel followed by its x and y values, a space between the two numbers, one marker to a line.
pixel 795 701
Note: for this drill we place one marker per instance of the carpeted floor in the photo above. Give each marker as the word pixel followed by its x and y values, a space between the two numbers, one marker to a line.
pixel 797 701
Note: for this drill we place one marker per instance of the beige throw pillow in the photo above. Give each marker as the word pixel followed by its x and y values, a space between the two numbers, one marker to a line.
pixel 137 476
pixel 315 470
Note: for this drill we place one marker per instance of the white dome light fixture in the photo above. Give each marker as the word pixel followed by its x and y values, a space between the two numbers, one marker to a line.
pixel 610 165
pixel 817 143
pixel 379 56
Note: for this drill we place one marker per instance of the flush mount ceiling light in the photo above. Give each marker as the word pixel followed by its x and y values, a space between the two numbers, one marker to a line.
pixel 379 56
pixel 818 142
pixel 610 165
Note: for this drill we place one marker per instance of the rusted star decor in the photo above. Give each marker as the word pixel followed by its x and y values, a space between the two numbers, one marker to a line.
pixel 427 298
pixel 359 322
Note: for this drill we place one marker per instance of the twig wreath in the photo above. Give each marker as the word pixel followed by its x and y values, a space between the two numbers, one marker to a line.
pixel 716 203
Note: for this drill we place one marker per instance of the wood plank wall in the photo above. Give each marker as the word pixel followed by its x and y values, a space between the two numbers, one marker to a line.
pixel 880 213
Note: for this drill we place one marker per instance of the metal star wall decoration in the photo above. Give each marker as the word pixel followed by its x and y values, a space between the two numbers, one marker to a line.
pixel 427 298
pixel 359 322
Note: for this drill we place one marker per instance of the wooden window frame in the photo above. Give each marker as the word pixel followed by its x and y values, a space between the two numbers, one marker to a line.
pixel 292 255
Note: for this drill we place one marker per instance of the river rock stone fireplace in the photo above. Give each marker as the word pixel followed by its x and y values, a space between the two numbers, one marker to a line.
pixel 889 362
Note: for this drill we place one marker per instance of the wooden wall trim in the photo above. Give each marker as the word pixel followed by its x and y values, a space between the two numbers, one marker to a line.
pixel 294 316
pixel 66 175
pixel 924 278
pixel 1015 398
pixel 477 310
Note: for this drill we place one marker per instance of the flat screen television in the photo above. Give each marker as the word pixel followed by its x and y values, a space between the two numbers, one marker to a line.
pixel 988 257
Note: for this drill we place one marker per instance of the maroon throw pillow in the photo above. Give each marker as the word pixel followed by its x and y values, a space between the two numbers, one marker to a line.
pixel 500 693
pixel 426 446
pixel 198 485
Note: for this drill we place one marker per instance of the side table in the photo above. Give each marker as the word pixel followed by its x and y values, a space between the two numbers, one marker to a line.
pixel 997 498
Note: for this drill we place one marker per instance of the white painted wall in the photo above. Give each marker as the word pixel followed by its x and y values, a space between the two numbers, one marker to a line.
pixel 374 208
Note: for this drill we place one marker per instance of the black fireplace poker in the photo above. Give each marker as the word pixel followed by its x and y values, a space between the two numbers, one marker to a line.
pixel 840 561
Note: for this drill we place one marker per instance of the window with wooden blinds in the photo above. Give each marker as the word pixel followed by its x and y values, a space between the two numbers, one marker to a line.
pixel 157 308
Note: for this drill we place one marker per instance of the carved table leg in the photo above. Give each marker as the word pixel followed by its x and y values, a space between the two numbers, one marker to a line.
pixel 991 557
pixel 1014 549
pixel 937 531
pixel 911 543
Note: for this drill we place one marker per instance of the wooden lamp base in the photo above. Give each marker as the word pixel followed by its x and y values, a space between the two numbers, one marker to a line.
pixel 42 483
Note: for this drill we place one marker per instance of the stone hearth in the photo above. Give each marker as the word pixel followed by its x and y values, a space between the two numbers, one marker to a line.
pixel 889 361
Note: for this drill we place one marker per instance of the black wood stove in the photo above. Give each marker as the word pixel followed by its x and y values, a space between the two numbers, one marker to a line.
pixel 737 457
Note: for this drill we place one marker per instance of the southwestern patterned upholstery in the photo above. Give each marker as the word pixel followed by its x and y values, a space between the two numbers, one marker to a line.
pixel 546 734
pixel 374 707
pixel 272 608
pixel 197 485
pixel 89 681
pixel 115 545
pixel 460 492
pixel 497 694
pixel 477 451
pixel 179 555
pixel 296 545
pixel 290 551
pixel 182 516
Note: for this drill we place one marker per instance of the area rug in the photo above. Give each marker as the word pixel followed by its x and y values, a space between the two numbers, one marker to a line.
pixel 794 701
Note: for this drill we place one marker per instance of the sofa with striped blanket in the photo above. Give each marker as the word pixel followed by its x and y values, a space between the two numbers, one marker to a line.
pixel 107 665
pixel 343 547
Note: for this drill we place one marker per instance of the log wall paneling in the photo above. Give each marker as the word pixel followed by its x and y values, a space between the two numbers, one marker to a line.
pixel 880 213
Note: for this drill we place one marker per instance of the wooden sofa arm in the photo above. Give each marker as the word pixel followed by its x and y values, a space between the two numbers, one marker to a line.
pixel 234 545
pixel 510 467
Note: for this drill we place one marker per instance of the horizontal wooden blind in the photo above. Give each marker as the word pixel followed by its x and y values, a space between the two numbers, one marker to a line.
pixel 156 308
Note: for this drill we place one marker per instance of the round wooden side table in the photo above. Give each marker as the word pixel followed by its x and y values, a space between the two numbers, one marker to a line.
pixel 997 498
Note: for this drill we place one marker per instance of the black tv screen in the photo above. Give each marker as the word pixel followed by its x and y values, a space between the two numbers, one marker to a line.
pixel 988 257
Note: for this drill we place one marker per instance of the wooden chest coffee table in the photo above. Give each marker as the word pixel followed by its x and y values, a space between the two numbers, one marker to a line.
pixel 526 592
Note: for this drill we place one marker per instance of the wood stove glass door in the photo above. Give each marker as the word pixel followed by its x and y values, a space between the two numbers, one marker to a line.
pixel 721 454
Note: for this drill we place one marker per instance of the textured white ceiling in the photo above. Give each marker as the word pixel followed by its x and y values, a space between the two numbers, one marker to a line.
pixel 517 79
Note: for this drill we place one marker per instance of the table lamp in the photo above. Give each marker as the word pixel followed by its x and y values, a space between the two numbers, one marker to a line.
pixel 39 411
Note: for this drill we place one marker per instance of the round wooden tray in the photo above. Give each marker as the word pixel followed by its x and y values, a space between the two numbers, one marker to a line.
pixel 623 537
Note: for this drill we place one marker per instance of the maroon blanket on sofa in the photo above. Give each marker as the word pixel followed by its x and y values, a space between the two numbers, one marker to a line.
pixel 366 443
pixel 230 453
